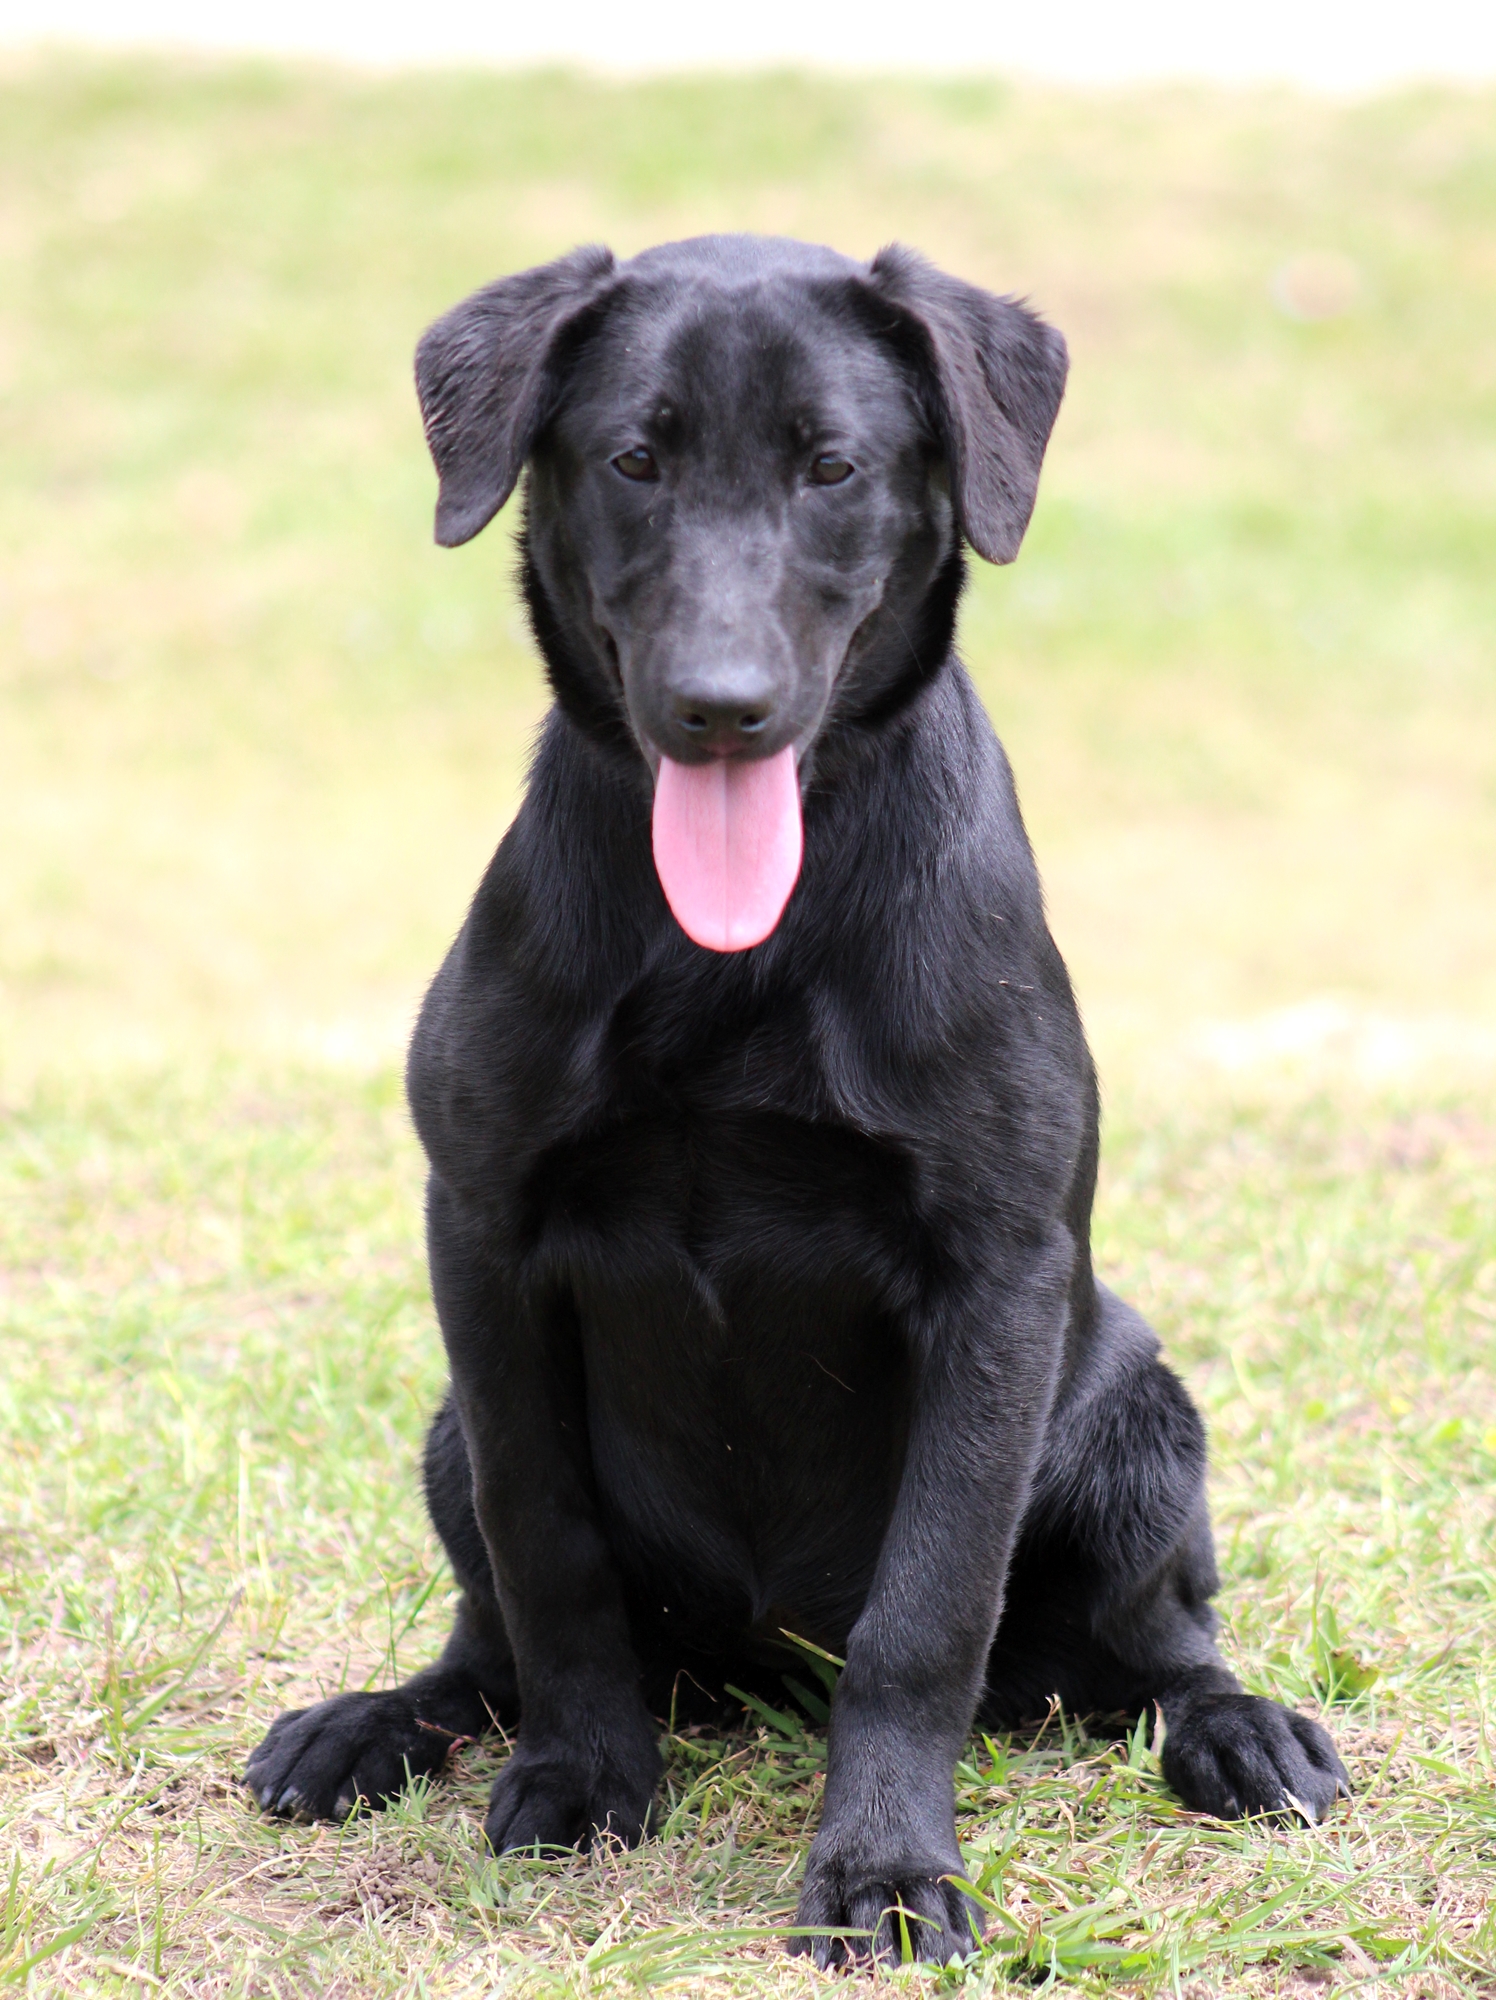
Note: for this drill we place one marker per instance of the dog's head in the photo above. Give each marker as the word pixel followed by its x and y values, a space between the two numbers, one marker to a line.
pixel 752 463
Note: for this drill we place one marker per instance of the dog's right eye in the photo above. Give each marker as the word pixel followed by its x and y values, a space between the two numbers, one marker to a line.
pixel 636 464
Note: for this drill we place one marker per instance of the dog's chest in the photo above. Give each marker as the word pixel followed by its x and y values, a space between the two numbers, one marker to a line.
pixel 736 1283
pixel 747 1201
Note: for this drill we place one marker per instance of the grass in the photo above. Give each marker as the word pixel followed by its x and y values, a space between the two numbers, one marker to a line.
pixel 217 1359
pixel 257 738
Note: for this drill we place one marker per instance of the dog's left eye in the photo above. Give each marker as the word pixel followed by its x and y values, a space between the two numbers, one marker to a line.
pixel 830 469
pixel 637 464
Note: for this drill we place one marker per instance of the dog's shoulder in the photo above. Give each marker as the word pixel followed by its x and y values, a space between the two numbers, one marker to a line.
pixel 921 891
pixel 560 923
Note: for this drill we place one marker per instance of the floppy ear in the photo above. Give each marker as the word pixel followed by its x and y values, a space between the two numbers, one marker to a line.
pixel 487 386
pixel 999 373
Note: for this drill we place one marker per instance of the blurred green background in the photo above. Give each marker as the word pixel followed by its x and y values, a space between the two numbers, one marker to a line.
pixel 258 736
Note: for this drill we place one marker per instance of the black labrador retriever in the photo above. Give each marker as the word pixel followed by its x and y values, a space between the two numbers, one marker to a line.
pixel 761 1124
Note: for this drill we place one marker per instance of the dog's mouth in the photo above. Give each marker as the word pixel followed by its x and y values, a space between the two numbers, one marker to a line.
pixel 727 845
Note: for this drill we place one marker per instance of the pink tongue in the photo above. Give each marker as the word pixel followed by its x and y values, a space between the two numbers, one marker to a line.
pixel 727 845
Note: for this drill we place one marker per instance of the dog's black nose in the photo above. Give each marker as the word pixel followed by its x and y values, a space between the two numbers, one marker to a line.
pixel 722 712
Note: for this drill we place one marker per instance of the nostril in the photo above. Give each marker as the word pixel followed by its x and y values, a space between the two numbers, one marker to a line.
pixel 723 722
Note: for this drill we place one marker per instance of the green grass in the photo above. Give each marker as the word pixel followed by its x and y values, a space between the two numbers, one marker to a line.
pixel 257 738
pixel 217 1357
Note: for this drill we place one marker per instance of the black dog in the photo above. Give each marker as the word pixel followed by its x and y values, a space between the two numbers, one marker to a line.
pixel 762 1261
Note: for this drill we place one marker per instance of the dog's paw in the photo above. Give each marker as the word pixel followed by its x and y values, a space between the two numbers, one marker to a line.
pixel 547 1798
pixel 1237 1755
pixel 357 1749
pixel 896 1914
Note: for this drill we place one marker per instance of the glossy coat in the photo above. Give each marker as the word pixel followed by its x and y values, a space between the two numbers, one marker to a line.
pixel 765 1278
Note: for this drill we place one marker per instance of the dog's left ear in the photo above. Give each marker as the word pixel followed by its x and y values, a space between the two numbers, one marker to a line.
pixel 486 377
pixel 999 373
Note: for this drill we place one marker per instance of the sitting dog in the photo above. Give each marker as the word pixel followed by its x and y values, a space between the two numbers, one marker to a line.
pixel 761 1125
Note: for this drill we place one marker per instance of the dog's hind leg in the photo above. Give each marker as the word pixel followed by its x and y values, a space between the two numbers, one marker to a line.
pixel 1108 1603
pixel 322 1762
pixel 1225 1751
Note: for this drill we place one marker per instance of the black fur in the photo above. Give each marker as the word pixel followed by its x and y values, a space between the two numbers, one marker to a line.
pixel 765 1278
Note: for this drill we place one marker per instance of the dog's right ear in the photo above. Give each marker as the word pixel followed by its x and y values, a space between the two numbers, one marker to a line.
pixel 486 380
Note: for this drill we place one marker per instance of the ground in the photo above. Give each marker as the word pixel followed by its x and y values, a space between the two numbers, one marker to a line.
pixel 256 740
pixel 218 1355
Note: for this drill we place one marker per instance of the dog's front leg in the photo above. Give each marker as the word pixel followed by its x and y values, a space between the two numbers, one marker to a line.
pixel 985 1363
pixel 586 1760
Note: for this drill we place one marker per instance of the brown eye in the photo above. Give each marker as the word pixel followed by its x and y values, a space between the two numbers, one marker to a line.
pixel 831 470
pixel 637 464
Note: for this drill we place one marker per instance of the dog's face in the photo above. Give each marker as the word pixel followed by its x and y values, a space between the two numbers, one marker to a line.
pixel 751 464
pixel 732 487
